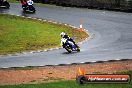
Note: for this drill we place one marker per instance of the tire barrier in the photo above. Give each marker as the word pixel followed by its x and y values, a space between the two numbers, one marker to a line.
pixel 119 5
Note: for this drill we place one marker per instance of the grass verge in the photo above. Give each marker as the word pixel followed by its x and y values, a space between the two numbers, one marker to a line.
pixel 14 1
pixel 19 34
pixel 71 84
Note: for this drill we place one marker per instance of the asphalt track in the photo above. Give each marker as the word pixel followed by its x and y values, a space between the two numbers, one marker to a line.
pixel 111 36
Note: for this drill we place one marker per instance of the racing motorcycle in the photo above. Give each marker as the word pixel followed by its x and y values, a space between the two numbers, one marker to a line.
pixel 70 46
pixel 29 9
pixel 4 4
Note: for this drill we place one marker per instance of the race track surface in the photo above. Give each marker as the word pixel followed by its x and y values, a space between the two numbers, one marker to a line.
pixel 111 36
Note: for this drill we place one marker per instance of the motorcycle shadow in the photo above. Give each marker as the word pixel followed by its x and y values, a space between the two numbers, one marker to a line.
pixel 28 12
pixel 69 53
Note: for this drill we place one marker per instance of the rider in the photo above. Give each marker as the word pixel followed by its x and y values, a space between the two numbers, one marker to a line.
pixel 1 1
pixel 65 38
pixel 24 4
pixel 30 2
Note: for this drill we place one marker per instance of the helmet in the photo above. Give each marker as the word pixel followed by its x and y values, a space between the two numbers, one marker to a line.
pixel 62 34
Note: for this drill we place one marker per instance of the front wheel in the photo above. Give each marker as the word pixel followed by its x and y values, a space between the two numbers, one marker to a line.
pixel 34 11
pixel 78 49
pixel 7 6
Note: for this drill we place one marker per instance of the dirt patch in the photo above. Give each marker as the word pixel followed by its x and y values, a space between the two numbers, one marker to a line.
pixel 55 73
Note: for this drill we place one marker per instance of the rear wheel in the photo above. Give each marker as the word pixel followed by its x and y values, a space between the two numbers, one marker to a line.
pixel 68 49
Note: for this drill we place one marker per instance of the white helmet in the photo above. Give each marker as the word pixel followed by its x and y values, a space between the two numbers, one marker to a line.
pixel 62 34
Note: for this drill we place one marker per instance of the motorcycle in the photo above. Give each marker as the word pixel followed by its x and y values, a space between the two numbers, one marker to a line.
pixel 4 4
pixel 70 47
pixel 29 9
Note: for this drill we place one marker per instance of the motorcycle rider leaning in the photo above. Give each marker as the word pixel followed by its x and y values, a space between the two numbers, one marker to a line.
pixel 65 38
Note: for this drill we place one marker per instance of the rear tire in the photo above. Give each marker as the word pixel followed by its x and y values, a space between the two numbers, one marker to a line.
pixel 68 49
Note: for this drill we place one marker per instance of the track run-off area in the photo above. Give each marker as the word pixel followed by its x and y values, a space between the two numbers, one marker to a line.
pixel 110 36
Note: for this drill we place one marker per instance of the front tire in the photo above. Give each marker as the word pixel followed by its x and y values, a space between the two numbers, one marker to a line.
pixel 78 49
pixel 34 11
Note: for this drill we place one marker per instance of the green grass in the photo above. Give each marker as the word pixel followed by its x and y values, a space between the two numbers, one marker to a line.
pixel 13 1
pixel 71 84
pixel 19 34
